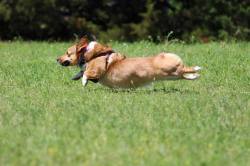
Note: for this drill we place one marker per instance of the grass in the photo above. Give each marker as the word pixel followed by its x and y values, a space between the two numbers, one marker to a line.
pixel 47 119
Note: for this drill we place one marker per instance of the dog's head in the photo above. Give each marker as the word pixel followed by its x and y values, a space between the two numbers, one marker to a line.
pixel 73 54
pixel 83 52
pixel 69 58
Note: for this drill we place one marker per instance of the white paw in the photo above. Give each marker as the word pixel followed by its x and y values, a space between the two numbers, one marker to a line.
pixel 191 76
pixel 84 80
pixel 197 68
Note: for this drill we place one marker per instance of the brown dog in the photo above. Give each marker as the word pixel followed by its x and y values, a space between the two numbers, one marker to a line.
pixel 116 71
pixel 69 58
pixel 83 52
pixel 120 72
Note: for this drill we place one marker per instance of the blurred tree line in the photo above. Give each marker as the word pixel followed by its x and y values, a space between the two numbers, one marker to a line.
pixel 125 19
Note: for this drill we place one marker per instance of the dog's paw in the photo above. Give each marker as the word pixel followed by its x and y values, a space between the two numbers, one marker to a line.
pixel 84 80
pixel 197 68
pixel 191 76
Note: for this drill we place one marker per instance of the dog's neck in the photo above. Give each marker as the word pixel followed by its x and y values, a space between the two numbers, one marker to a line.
pixel 82 59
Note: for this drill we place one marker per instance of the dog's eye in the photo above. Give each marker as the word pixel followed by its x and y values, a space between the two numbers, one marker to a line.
pixel 67 54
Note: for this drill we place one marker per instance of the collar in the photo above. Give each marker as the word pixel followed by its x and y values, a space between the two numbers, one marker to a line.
pixel 81 61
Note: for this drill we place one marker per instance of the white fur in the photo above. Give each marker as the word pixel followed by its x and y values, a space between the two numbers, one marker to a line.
pixel 191 76
pixel 197 68
pixel 91 46
pixel 84 80
pixel 110 59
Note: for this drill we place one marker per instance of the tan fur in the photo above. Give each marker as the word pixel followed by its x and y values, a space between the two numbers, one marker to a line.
pixel 70 56
pixel 117 71
pixel 91 54
pixel 74 52
pixel 97 51
pixel 98 67
pixel 135 72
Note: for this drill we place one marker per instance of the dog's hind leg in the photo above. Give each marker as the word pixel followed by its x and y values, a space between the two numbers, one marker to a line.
pixel 190 76
pixel 191 69
pixel 190 73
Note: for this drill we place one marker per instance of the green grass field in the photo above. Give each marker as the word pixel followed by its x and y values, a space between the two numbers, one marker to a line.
pixel 47 119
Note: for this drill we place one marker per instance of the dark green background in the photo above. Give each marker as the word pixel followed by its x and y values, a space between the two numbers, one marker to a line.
pixel 190 20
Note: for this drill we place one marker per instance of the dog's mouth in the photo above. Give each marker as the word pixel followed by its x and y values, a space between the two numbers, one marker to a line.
pixel 65 63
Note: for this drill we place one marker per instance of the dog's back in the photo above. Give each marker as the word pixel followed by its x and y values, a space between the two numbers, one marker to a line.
pixel 135 72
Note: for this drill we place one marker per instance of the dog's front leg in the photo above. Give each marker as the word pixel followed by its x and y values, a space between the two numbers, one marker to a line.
pixel 80 74
pixel 84 80
pixel 90 75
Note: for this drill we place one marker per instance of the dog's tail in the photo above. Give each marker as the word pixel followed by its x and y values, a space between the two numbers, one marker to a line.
pixel 190 73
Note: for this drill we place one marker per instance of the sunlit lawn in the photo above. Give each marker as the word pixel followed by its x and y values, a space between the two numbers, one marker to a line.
pixel 47 119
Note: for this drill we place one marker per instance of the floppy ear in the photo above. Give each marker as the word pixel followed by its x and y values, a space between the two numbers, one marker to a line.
pixel 82 44
pixel 99 50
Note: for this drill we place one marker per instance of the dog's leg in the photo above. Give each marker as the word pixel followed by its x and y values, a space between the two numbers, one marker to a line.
pixel 190 73
pixel 190 76
pixel 197 68
pixel 84 80
pixel 191 69
pixel 78 75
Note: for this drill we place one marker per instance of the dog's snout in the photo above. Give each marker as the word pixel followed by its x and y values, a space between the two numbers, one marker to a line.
pixel 66 63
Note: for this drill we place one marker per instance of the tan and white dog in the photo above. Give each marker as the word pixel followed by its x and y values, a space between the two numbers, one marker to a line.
pixel 116 71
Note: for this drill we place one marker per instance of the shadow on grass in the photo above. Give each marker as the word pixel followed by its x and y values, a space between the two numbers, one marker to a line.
pixel 145 91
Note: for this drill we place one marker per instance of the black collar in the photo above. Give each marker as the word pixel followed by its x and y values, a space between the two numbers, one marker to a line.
pixel 81 60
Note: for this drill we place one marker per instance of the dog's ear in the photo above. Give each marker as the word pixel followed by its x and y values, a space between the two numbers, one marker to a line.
pixel 82 44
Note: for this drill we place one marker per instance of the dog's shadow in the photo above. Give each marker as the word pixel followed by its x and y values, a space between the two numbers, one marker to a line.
pixel 167 90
